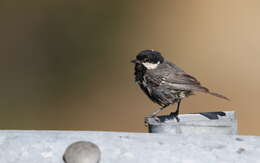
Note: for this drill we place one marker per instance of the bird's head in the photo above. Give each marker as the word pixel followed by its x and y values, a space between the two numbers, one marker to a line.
pixel 150 59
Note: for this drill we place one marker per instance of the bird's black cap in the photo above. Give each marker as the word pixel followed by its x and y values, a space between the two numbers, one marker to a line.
pixel 151 56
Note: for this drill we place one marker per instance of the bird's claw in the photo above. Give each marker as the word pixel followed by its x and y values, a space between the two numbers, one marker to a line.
pixel 146 119
pixel 175 115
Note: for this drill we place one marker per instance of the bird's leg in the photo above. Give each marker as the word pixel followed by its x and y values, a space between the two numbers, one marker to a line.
pixel 158 111
pixel 176 113
pixel 153 115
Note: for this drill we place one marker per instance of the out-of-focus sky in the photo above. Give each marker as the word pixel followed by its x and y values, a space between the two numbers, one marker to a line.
pixel 66 64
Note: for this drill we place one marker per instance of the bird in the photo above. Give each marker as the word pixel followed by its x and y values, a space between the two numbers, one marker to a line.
pixel 82 152
pixel 164 82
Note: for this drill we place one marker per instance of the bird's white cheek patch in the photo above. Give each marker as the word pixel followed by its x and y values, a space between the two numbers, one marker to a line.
pixel 150 66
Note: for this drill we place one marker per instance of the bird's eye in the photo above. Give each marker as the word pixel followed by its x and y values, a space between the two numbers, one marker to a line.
pixel 146 60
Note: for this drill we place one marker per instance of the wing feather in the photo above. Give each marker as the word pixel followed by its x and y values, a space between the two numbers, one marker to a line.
pixel 172 76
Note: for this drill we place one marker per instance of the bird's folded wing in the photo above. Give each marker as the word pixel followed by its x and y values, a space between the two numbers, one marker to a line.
pixel 171 76
pixel 175 82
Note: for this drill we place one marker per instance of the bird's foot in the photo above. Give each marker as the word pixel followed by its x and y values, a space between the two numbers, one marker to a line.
pixel 146 119
pixel 174 115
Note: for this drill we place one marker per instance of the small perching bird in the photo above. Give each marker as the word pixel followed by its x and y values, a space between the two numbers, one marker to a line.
pixel 165 83
pixel 82 152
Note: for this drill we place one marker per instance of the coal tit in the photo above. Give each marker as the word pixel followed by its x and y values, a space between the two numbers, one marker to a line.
pixel 165 83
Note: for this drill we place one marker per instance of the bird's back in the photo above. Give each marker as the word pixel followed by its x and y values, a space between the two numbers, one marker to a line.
pixel 169 73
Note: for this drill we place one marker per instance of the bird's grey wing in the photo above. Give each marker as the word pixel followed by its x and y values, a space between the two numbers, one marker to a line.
pixel 169 74
pixel 161 93
pixel 169 64
pixel 177 75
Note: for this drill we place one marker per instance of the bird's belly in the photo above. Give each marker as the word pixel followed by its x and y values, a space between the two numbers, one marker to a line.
pixel 162 96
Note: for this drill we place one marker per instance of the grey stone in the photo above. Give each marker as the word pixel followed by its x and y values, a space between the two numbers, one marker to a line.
pixel 82 152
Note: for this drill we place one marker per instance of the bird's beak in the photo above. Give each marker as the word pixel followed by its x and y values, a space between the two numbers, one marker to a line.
pixel 135 61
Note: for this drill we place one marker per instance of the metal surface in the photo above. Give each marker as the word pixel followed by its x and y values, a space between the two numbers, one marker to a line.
pixel 116 147
pixel 195 124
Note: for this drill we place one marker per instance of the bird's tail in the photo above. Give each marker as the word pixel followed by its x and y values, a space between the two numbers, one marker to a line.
pixel 218 95
pixel 206 90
